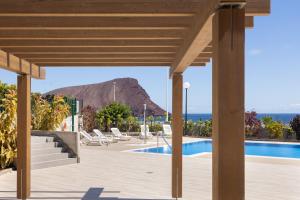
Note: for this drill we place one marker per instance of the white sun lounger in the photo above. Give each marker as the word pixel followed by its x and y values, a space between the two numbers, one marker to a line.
pixel 89 140
pixel 148 133
pixel 105 138
pixel 123 137
pixel 167 130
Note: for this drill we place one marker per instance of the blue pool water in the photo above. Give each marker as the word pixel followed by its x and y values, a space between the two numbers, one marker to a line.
pixel 252 148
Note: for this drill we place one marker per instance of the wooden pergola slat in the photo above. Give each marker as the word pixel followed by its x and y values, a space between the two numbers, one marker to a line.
pixel 95 23
pixel 136 8
pixel 124 50
pixel 93 34
pixel 89 43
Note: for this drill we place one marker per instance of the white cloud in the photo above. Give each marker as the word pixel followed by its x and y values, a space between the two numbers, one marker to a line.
pixel 255 52
pixel 295 105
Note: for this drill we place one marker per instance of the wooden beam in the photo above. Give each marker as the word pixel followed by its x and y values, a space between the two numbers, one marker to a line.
pixel 81 50
pixel 177 129
pixel 99 56
pixel 196 43
pixel 117 8
pixel 94 23
pixel 198 64
pixel 202 44
pixel 104 60
pixel 205 55
pixel 228 104
pixel 249 22
pixel 258 7
pixel 23 137
pixel 20 66
pixel 99 8
pixel 92 34
pixel 107 64
pixel 202 60
pixel 89 43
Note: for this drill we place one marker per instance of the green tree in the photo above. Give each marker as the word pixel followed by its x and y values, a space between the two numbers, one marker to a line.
pixel 112 114
pixel 132 124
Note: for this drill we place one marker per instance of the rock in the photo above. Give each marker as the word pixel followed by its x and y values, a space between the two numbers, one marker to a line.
pixel 128 91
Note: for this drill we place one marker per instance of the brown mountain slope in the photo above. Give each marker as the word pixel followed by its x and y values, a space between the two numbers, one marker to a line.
pixel 128 91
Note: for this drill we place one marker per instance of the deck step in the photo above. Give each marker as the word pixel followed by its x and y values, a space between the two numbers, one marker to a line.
pixel 46 151
pixel 37 139
pixel 42 145
pixel 49 157
pixel 54 163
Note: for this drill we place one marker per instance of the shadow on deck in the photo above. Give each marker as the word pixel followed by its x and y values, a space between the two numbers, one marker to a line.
pixel 91 194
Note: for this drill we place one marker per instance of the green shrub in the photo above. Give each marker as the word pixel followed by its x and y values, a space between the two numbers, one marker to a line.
pixel 48 115
pixel 113 114
pixel 295 125
pixel 156 127
pixel 199 128
pixel 275 128
pixel 8 129
pixel 288 132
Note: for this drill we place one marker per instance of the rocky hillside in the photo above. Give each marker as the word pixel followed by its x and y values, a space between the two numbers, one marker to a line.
pixel 128 91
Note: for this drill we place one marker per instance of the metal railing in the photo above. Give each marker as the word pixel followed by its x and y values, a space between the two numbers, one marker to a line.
pixel 165 140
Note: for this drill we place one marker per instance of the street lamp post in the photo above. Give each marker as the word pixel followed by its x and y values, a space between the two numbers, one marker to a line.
pixel 186 86
pixel 145 128
pixel 114 91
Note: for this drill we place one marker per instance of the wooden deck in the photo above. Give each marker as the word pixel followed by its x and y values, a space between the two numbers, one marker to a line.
pixel 110 173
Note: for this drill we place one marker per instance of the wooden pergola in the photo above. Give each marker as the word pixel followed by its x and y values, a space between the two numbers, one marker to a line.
pixel 35 34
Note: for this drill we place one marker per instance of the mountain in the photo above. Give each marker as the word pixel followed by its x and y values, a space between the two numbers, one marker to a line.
pixel 128 91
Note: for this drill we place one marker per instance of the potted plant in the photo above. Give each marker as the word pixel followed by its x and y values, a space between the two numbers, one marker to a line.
pixel 295 124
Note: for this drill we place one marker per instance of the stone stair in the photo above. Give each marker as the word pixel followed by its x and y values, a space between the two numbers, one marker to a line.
pixel 47 152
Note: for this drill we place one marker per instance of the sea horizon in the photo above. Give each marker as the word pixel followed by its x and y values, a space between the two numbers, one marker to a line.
pixel 283 117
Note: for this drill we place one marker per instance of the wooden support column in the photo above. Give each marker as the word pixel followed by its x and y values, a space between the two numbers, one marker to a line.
pixel 228 103
pixel 23 137
pixel 177 126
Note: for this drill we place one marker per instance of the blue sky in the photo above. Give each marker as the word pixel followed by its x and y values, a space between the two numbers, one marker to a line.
pixel 272 69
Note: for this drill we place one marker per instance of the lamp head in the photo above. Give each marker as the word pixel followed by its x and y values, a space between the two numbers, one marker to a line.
pixel 186 85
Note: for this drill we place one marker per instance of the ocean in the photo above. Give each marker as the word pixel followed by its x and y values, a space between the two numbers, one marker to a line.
pixel 283 117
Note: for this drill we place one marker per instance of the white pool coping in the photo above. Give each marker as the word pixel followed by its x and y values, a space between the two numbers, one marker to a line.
pixel 207 153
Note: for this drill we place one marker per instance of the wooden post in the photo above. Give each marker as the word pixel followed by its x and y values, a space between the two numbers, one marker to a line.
pixel 228 104
pixel 177 126
pixel 24 136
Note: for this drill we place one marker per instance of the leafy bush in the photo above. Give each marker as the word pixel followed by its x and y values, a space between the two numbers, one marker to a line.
pixel 156 127
pixel 252 124
pixel 132 124
pixel 8 129
pixel 295 125
pixel 275 128
pixel 48 115
pixel 113 114
pixel 39 108
pixel 199 128
pixel 189 127
pixel 288 132
pixel 89 118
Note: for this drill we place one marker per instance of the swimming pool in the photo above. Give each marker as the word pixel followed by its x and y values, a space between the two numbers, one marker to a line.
pixel 251 148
